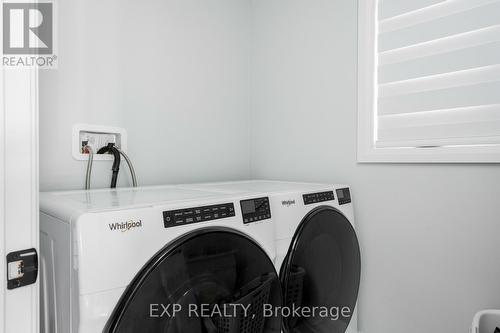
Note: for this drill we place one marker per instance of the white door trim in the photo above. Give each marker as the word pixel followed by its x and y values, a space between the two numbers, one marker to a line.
pixel 19 198
pixel 19 230
pixel 3 274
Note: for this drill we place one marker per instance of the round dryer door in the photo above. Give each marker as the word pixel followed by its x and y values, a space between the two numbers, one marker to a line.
pixel 212 280
pixel 320 275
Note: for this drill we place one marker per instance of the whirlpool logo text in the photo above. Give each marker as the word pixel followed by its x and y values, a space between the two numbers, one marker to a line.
pixel 288 203
pixel 125 226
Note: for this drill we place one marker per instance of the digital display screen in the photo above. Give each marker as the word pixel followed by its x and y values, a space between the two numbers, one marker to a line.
pixel 248 207
pixel 344 195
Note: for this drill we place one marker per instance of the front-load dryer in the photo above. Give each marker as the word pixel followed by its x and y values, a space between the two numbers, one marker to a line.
pixel 318 253
pixel 156 259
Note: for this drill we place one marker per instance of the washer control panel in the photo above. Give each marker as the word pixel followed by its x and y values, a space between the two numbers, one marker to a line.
pixel 173 218
pixel 344 196
pixel 254 210
pixel 318 197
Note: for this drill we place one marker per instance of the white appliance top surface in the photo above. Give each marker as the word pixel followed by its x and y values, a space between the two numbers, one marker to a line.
pixel 257 186
pixel 106 199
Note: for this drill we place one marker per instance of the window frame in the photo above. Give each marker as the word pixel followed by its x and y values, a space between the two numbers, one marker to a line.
pixel 367 152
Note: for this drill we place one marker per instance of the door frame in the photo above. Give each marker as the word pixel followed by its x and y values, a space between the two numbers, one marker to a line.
pixel 19 187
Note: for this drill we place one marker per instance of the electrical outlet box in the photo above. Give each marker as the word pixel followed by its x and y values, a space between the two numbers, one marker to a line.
pixel 97 137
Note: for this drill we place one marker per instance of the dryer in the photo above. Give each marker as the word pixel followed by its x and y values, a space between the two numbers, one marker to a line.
pixel 124 260
pixel 318 253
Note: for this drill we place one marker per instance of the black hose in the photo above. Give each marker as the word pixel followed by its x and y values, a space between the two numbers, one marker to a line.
pixel 111 149
pixel 105 149
pixel 116 166
pixel 114 178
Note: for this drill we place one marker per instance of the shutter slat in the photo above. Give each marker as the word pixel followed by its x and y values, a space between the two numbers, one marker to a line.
pixel 445 116
pixel 391 8
pixel 441 81
pixel 431 142
pixel 441 45
pixel 452 61
pixel 426 14
pixel 480 94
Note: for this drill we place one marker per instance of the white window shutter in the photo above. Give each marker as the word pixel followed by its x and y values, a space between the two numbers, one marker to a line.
pixel 438 73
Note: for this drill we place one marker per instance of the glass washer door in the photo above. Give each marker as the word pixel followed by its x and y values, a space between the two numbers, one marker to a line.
pixel 321 272
pixel 208 276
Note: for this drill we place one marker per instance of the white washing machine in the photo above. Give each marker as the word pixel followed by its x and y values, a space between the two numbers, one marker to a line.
pixel 156 259
pixel 318 253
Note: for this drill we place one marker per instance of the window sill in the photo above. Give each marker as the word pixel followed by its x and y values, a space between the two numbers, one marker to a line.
pixel 469 154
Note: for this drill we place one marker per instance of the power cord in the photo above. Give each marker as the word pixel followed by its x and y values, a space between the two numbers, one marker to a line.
pixel 111 149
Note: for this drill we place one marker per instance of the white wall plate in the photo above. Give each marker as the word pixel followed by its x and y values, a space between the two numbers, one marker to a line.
pixel 98 137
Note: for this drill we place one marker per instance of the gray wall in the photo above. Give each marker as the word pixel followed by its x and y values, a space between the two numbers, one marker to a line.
pixel 174 73
pixel 429 233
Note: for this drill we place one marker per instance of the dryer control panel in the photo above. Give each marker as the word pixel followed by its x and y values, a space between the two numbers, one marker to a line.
pixel 318 197
pixel 173 218
pixel 254 210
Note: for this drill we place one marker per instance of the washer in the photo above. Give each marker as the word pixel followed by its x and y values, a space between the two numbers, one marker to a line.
pixel 113 260
pixel 318 253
